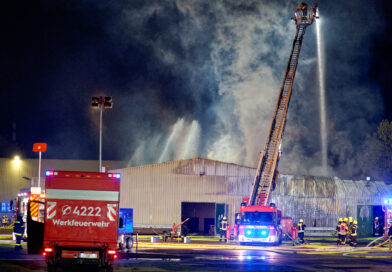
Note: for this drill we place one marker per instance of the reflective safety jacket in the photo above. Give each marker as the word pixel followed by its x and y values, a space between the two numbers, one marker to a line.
pixel 223 225
pixel 301 227
pixel 343 228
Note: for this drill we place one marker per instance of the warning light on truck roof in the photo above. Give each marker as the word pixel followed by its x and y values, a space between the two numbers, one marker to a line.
pixel 388 201
pixel 114 175
pixel 51 173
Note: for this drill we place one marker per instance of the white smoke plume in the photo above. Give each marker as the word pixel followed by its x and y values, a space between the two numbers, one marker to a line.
pixel 232 56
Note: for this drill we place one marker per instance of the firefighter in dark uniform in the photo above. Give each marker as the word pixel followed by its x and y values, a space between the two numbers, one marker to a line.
pixel 376 231
pixel 353 233
pixel 223 228
pixel 301 231
pixel 348 234
pixel 350 222
pixel 339 241
pixel 19 231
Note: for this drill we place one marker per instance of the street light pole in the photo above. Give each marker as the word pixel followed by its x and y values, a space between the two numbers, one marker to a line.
pixel 101 102
pixel 100 137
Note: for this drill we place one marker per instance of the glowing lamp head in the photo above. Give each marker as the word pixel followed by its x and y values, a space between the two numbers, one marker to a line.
pixel 17 161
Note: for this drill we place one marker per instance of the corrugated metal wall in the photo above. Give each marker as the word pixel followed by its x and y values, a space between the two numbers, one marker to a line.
pixel 155 192
pixel 320 201
pixel 11 174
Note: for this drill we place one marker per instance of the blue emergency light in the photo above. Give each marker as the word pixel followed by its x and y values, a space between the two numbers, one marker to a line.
pixel 114 175
pixel 388 201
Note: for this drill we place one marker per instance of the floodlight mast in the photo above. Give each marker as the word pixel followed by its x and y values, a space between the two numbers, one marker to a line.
pixel 267 173
pixel 101 102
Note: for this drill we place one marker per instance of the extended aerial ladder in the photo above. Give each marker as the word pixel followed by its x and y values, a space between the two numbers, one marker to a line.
pixel 266 174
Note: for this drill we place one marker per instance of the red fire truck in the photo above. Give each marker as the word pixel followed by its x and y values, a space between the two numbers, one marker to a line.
pixel 260 224
pixel 81 218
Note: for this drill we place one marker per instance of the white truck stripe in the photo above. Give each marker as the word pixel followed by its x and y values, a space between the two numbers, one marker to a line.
pixel 82 194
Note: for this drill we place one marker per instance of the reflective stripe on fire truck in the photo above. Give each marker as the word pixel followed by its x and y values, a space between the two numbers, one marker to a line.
pixel 82 194
pixel 51 210
pixel 112 212
pixel 34 206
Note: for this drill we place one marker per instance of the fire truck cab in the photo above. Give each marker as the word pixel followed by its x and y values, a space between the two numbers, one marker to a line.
pixel 260 224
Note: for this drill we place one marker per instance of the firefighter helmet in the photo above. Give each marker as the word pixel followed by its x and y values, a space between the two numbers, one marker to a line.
pixel 340 219
pixel 350 219
pixel 301 220
pixel 345 219
pixel 224 218
pixel 355 222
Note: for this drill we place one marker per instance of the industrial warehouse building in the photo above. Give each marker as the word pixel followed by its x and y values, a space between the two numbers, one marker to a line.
pixel 204 190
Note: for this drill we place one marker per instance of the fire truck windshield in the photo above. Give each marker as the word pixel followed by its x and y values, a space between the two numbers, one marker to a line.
pixel 258 218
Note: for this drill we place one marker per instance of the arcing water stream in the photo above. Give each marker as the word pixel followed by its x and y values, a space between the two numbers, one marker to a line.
pixel 323 121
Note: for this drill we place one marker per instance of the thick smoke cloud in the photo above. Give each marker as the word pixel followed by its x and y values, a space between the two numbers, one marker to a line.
pixel 200 78
pixel 230 58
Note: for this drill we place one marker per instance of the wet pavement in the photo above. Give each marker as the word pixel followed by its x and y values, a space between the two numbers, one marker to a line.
pixel 203 256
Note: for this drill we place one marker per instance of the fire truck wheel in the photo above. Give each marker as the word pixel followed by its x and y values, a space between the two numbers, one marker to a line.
pixel 53 268
pixel 106 269
pixel 129 243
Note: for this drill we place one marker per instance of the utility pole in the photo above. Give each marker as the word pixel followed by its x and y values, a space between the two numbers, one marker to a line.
pixel 101 103
pixel 39 147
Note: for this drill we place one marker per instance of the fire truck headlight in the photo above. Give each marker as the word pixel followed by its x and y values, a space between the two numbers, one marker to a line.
pixel 264 232
pixel 249 232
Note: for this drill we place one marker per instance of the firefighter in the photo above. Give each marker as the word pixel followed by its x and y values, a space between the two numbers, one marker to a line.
pixel 376 232
pixel 349 225
pixel 343 231
pixel 350 221
pixel 238 219
pixel 338 242
pixel 304 8
pixel 19 231
pixel 301 231
pixel 223 228
pixel 353 233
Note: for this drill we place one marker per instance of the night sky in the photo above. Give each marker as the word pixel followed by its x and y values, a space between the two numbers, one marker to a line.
pixel 191 79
